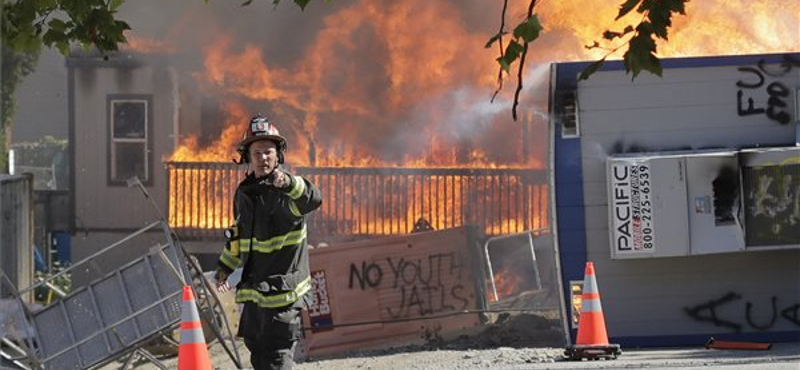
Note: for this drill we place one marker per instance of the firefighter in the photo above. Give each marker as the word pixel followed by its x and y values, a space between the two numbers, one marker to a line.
pixel 268 240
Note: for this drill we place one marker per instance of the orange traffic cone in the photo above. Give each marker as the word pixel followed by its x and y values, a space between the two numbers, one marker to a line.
pixel 592 342
pixel 192 353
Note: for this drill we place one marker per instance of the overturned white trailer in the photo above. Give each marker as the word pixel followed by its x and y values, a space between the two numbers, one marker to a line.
pixel 685 193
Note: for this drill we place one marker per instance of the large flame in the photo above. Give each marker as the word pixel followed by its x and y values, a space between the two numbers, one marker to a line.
pixel 411 97
pixel 386 83
pixel 737 27
pixel 223 149
pixel 506 284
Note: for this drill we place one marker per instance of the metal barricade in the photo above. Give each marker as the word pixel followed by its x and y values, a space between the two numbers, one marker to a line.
pixel 524 283
pixel 121 311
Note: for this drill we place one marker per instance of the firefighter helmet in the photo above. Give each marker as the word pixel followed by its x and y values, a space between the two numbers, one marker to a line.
pixel 260 128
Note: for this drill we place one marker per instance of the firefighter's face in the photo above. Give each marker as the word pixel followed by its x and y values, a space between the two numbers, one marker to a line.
pixel 263 157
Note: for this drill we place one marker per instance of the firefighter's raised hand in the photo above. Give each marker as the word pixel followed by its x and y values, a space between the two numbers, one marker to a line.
pixel 222 281
pixel 279 179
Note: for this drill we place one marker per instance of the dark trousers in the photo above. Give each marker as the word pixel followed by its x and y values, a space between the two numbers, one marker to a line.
pixel 270 335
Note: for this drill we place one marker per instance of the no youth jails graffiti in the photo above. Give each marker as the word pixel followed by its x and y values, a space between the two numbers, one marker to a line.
pixel 415 286
pixel 632 208
pixel 385 284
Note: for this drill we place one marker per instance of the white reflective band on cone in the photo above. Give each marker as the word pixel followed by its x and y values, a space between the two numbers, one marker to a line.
pixel 591 305
pixel 189 312
pixel 590 285
pixel 189 336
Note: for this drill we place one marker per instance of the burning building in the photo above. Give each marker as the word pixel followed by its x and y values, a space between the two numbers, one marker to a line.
pixel 386 106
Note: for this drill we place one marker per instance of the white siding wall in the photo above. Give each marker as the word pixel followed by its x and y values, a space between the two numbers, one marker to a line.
pixel 98 205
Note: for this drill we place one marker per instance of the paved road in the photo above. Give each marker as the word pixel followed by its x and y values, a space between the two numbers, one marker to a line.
pixel 782 356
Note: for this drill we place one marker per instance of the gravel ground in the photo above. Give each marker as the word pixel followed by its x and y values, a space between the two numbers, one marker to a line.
pixel 510 341
pixel 503 357
pixel 518 342
pixel 782 356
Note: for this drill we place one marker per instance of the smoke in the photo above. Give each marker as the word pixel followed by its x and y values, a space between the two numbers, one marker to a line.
pixel 382 81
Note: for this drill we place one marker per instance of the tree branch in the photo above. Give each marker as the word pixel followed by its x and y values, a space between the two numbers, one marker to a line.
pixel 613 50
pixel 521 69
pixel 500 40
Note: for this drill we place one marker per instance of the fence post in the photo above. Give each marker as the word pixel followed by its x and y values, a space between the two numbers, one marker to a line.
pixel 16 230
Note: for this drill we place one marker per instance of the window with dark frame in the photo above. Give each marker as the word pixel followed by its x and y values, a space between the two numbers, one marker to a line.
pixel 129 139
pixel 570 124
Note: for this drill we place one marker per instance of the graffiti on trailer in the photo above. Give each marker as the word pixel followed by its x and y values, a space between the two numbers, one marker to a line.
pixel 707 312
pixel 424 286
pixel 777 108
pixel 773 201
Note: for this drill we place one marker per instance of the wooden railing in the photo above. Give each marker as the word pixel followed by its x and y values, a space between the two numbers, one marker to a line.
pixel 372 201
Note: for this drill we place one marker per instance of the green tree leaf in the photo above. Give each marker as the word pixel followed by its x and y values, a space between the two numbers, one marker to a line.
pixel 53 36
pixel 660 15
pixel 511 54
pixel 46 4
pixel 26 10
pixel 57 25
pixel 611 35
pixel 62 46
pixel 115 4
pixel 513 50
pixel 627 30
pixel 594 45
pixel 504 64
pixel 626 8
pixel 641 53
pixel 16 65
pixel 645 6
pixel 591 69
pixel 302 3
pixel 494 39
pixel 529 29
